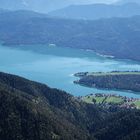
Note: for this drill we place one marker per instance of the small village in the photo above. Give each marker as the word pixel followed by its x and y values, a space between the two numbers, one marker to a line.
pixel 109 99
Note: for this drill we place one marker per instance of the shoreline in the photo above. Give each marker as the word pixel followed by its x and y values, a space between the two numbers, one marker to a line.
pixel 87 79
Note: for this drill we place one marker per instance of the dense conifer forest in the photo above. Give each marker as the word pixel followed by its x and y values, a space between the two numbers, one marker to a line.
pixel 113 80
pixel 33 111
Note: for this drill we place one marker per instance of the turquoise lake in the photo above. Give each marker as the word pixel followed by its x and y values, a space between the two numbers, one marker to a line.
pixel 54 66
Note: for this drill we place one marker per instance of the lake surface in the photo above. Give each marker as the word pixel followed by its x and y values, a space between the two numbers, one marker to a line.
pixel 55 66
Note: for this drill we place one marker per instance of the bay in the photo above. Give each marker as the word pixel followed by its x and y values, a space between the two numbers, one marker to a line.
pixel 55 66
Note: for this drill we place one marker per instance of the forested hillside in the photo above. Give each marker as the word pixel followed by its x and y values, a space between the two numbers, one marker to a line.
pixel 113 80
pixel 119 37
pixel 33 111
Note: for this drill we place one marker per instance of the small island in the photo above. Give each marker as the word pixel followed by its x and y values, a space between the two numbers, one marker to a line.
pixel 115 80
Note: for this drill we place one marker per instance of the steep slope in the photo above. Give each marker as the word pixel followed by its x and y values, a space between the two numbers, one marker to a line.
pixel 33 111
pixel 97 11
pixel 38 112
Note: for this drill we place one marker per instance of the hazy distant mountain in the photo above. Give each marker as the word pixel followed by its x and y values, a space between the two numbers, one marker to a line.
pixel 3 10
pixel 115 36
pixel 97 11
pixel 35 5
pixel 19 15
pixel 128 1
pixel 44 5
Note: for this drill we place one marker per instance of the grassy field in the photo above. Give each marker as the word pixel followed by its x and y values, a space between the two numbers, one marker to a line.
pixel 137 103
pixel 116 100
pixel 129 83
pixel 88 99
pixel 112 73
pixel 109 99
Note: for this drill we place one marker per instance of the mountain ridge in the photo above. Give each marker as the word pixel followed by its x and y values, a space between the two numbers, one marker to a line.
pixel 127 1
pixel 43 6
pixel 97 11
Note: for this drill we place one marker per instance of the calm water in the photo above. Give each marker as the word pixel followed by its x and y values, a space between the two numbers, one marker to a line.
pixel 55 66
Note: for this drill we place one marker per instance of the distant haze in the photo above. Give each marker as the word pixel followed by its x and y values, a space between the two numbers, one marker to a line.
pixel 128 1
pixel 91 1
pixel 50 5
pixel 45 5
